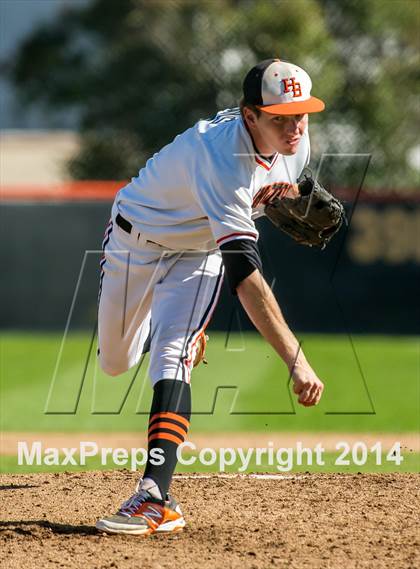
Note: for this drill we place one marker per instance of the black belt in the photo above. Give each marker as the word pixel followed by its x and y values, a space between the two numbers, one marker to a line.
pixel 127 227
pixel 123 223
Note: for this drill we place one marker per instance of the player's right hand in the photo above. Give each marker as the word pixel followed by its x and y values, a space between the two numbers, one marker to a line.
pixel 307 386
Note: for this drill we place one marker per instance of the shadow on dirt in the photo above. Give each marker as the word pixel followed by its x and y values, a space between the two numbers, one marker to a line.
pixel 17 486
pixel 24 527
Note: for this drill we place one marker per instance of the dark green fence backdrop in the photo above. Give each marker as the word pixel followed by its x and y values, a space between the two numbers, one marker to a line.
pixel 367 280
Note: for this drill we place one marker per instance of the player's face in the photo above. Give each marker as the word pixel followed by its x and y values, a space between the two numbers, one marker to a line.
pixel 282 132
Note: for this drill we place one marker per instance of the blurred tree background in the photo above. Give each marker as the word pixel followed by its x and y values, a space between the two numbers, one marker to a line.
pixel 141 71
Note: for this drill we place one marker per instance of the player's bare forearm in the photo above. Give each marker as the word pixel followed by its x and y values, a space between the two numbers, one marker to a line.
pixel 262 308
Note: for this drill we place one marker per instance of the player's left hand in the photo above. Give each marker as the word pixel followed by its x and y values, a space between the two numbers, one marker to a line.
pixel 307 385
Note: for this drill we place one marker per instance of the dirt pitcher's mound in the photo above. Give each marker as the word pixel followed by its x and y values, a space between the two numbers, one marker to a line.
pixel 304 521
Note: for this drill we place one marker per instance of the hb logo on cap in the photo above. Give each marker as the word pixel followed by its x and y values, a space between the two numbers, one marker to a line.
pixel 291 84
pixel 280 88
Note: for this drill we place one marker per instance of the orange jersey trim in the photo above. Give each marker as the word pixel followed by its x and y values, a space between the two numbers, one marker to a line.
pixel 264 165
pixel 239 233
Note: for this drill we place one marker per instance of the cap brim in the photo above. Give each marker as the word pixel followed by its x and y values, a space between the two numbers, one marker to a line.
pixel 311 105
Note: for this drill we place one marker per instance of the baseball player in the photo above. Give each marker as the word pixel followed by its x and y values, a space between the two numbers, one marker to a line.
pixel 185 219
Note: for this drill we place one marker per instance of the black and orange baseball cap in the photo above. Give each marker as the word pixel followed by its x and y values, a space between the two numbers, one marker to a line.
pixel 280 88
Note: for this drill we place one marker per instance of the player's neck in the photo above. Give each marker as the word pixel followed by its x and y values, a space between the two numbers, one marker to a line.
pixel 260 147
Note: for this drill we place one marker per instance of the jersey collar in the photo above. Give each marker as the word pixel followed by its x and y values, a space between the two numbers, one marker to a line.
pixel 265 162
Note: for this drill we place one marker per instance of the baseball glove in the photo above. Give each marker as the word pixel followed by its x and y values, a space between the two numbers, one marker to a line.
pixel 312 218
pixel 200 350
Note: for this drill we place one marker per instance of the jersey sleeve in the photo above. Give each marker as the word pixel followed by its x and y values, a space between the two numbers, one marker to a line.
pixel 220 189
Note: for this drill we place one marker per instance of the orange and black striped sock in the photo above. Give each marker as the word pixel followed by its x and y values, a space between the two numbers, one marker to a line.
pixel 168 426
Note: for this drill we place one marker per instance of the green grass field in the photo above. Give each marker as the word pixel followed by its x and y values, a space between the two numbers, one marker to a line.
pixel 372 385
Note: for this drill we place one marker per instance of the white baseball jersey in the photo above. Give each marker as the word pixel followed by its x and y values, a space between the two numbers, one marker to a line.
pixel 207 186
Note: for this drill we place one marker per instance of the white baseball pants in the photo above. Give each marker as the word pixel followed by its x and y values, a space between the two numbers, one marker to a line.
pixel 144 289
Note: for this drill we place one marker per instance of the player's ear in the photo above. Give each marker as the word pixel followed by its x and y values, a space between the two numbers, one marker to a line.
pixel 250 116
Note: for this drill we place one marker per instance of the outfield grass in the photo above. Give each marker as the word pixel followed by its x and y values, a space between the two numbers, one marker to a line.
pixel 374 388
